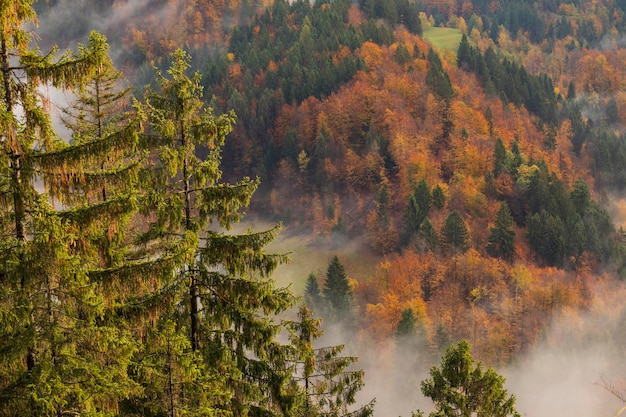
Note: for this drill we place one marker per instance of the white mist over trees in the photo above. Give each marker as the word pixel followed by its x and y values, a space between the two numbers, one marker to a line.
pixel 128 294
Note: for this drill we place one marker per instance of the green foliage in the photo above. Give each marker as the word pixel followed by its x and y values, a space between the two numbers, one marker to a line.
pixel 546 235
pixel 338 293
pixel 56 329
pixel 429 234
pixel 454 233
pixel 499 157
pixel 437 77
pixel 501 75
pixel 312 293
pixel 326 380
pixel 460 387
pixel 406 325
pixel 223 298
pixel 416 211
pixel 439 197
pixel 501 240
pixel 395 12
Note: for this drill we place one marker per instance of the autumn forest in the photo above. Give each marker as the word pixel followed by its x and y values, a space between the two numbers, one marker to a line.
pixel 456 167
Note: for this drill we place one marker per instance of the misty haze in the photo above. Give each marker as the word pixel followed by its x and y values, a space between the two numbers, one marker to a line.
pixel 330 208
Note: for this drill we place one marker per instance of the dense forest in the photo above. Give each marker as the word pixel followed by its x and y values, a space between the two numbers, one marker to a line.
pixel 475 150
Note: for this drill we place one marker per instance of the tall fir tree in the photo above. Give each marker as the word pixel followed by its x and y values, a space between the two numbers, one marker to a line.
pixel 460 387
pixel 223 296
pixel 312 293
pixel 327 381
pixel 338 293
pixel 501 240
pixel 454 233
pixel 58 356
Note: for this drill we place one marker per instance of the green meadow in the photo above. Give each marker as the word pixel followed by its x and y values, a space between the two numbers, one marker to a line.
pixel 444 38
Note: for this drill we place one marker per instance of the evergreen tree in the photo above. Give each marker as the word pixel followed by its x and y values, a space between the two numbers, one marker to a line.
pixel 221 294
pixel 454 233
pixel 501 240
pixel 329 388
pixel 439 198
pixel 460 387
pixel 416 211
pixel 546 235
pixel 429 234
pixel 437 77
pixel 499 157
pixel 338 293
pixel 412 221
pixel 464 54
pixel 312 292
pixel 406 326
pixel 59 356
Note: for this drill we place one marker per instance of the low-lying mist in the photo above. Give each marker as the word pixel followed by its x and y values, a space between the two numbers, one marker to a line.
pixel 570 370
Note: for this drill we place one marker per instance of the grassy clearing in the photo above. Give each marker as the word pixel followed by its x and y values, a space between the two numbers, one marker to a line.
pixel 444 38
pixel 309 254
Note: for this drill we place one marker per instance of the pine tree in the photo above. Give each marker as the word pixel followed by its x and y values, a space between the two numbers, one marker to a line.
pixel 439 198
pixel 416 211
pixel 464 54
pixel 460 387
pixel 328 386
pixel 58 355
pixel 454 233
pixel 437 77
pixel 222 293
pixel 501 240
pixel 429 234
pixel 312 292
pixel 338 293
pixel 406 326
pixel 499 157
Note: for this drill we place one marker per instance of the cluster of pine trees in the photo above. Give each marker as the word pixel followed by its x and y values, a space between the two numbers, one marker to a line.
pixel 122 291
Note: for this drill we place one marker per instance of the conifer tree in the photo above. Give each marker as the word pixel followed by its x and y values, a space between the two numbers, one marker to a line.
pixel 328 386
pixel 501 240
pixel 222 293
pixel 439 198
pixel 460 387
pixel 454 233
pixel 58 357
pixel 416 211
pixel 312 292
pixel 338 293
pixel 429 234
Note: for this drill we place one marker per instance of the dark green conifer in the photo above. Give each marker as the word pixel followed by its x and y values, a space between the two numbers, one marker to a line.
pixel 338 293
pixel 454 233
pixel 501 240
pixel 327 381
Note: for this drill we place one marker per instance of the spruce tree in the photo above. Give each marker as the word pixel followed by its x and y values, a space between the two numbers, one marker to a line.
pixel 58 356
pixel 338 293
pixel 327 384
pixel 222 293
pixel 460 387
pixel 416 211
pixel 312 292
pixel 501 240
pixel 454 233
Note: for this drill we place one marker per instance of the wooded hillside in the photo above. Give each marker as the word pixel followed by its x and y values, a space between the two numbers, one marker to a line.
pixel 481 176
